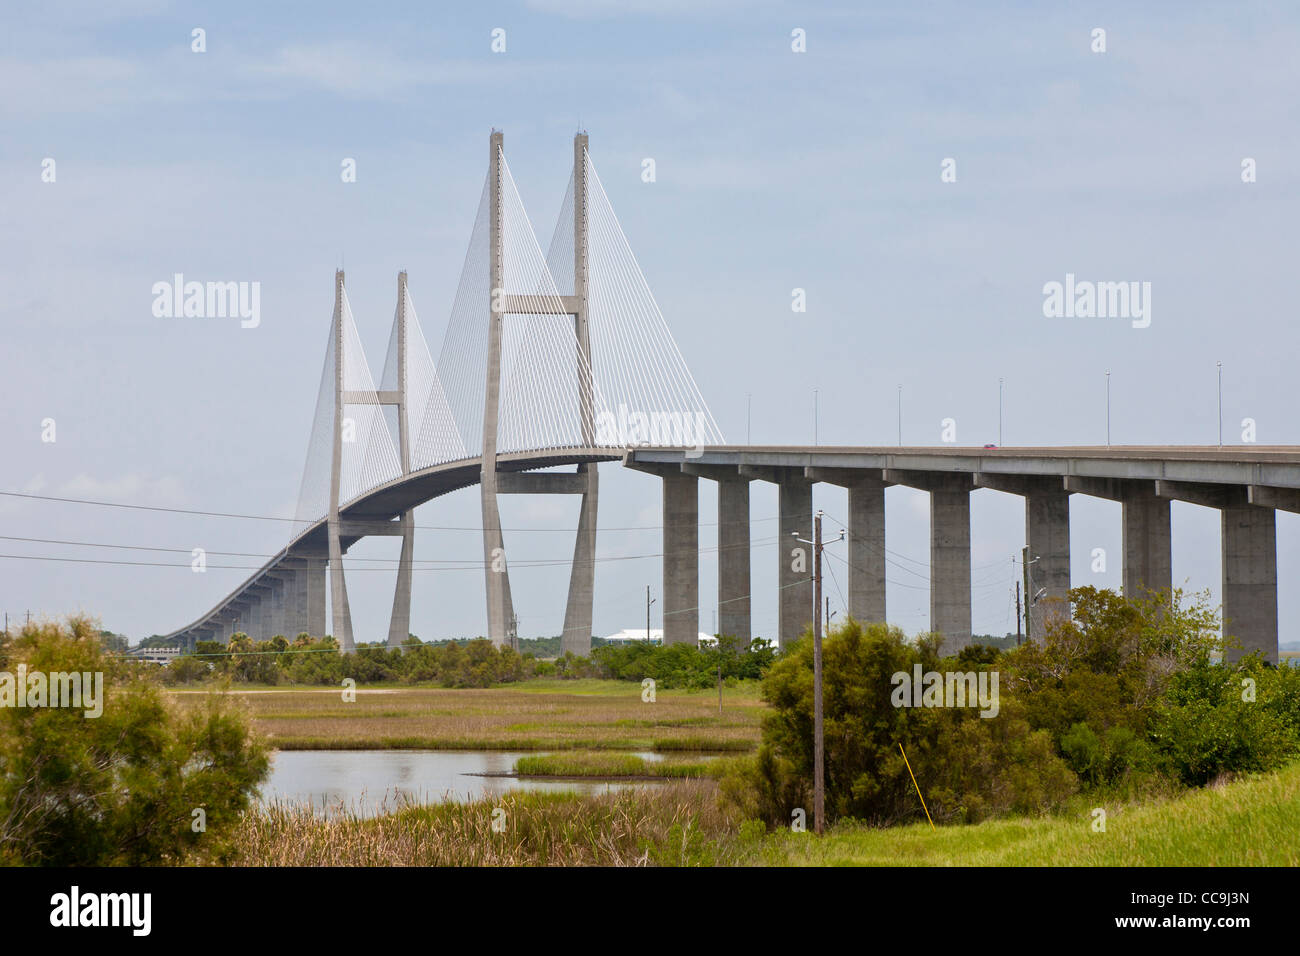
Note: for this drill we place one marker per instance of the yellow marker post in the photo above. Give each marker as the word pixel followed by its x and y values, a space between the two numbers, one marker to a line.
pixel 918 786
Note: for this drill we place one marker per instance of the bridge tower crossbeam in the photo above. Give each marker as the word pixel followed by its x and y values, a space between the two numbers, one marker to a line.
pixel 337 529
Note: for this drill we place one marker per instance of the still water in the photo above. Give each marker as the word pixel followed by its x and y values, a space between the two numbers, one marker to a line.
pixel 370 782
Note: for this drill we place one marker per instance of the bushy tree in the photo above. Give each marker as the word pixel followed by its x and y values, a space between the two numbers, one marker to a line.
pixel 123 787
pixel 1217 719
pixel 968 767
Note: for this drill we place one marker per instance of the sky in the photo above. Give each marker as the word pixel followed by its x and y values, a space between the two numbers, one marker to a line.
pixel 821 170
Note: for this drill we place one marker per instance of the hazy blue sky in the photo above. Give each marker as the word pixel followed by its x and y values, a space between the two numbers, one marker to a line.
pixel 775 170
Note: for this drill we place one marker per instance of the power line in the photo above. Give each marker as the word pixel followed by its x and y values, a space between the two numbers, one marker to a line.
pixel 225 514
pixel 466 566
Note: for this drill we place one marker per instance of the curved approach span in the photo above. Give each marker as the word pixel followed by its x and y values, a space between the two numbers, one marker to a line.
pixel 281 598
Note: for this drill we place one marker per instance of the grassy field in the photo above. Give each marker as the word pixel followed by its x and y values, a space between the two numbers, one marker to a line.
pixel 1246 823
pixel 535 715
pixel 1252 822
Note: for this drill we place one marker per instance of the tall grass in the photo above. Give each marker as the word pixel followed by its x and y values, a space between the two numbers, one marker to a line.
pixel 591 715
pixel 1251 822
pixel 677 827
pixel 607 765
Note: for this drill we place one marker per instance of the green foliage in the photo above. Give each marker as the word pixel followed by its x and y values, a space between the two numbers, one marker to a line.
pixel 187 669
pixel 123 787
pixel 1121 696
pixel 967 767
pixel 1206 725
pixel 474 663
pixel 683 665
pixel 1108 663
pixel 1107 758
pixel 116 643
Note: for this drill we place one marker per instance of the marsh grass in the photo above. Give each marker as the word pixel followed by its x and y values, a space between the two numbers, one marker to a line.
pixel 678 827
pixel 608 766
pixel 537 715
pixel 1249 822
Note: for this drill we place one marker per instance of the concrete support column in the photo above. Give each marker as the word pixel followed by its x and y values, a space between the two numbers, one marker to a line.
pixel 681 559
pixel 265 616
pixel 399 624
pixel 289 601
pixel 578 611
pixel 866 551
pixel 317 585
pixel 794 577
pixel 582 575
pixel 733 558
pixel 300 600
pixel 277 603
pixel 500 607
pixel 1148 544
pixel 1249 542
pixel 1047 532
pixel 301 606
pixel 253 621
pixel 950 590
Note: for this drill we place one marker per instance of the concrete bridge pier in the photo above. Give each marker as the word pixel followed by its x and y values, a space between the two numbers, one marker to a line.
pixel 239 621
pixel 252 624
pixel 399 624
pixel 1147 537
pixel 795 597
pixel 288 600
pixel 681 597
pixel 866 538
pixel 733 548
pixel 277 608
pixel 263 624
pixel 578 610
pixel 1248 562
pixel 315 586
pixel 733 559
pixel 1047 535
pixel 1249 544
pixel 1148 541
pixel 950 582
pixel 681 552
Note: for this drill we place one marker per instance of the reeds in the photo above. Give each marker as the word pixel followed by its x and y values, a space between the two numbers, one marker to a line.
pixel 677 825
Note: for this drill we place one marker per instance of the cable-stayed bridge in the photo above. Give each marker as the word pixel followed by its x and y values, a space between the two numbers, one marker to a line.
pixel 563 358
pixel 555 358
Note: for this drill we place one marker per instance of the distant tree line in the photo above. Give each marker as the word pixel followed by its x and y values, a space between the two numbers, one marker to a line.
pixel 473 663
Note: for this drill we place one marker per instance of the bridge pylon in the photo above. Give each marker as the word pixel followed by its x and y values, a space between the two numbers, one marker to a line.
pixel 503 302
pixel 342 614
pixel 399 626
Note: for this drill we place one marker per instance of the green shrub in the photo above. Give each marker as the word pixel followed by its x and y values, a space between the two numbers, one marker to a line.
pixel 1206 725
pixel 967 767
pixel 126 787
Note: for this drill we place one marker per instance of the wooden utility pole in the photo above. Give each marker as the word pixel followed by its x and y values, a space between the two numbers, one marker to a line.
pixel 819 767
pixel 648 602
pixel 1017 614
pixel 1024 571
